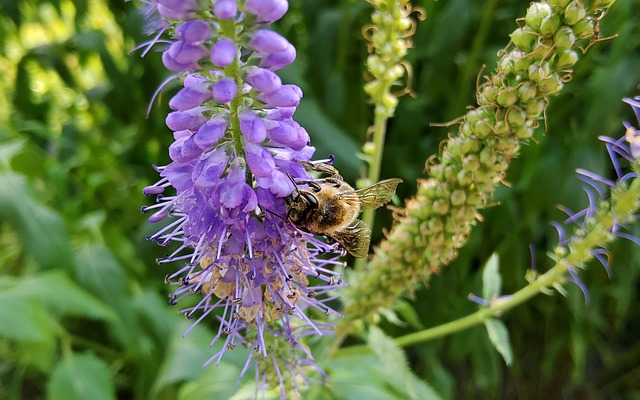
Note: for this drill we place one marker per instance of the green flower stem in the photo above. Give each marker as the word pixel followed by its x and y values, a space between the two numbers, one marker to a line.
pixel 551 277
pixel 233 71
pixel 390 33
pixel 379 132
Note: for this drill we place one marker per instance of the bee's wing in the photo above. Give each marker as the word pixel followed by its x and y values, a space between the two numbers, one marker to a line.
pixel 355 238
pixel 373 196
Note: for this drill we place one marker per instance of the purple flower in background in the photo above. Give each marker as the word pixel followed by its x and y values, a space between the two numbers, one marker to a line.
pixel 235 153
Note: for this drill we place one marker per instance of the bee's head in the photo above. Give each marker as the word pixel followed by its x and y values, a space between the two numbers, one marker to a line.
pixel 300 205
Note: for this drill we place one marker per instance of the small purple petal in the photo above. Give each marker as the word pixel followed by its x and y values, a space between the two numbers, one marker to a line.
pixel 196 91
pixel 286 96
pixel 263 80
pixel 190 149
pixel 193 31
pixel 252 127
pixel 223 52
pixel 186 53
pixel 281 132
pixel 179 175
pixel 189 119
pixel 278 183
pixel 225 9
pixel 281 113
pixel 267 10
pixel 177 9
pixel 224 90
pixel 211 132
pixel 175 66
pixel 267 42
pixel 280 59
pixel 208 172
pixel 259 159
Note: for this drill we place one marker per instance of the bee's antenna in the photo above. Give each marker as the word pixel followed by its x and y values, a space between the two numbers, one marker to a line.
pixel 295 184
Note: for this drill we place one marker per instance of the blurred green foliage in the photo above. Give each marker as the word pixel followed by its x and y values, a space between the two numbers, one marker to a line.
pixel 84 312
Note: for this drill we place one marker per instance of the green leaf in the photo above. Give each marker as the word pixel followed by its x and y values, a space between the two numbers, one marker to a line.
pixel 491 278
pixel 40 229
pixel 80 377
pixel 409 314
pixel 8 150
pixel 499 337
pixel 60 294
pixel 25 320
pixel 216 383
pixel 398 375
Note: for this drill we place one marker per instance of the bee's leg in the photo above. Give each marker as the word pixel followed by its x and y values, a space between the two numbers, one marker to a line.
pixel 314 185
pixel 322 168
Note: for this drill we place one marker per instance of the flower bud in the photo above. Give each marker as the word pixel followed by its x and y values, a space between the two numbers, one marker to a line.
pixel 267 41
pixel 559 4
pixel 224 90
pixel 223 53
pixel 534 107
pixel 524 38
pixel 538 72
pixel 225 9
pixel 516 117
pixel 566 59
pixel 550 25
pixel 536 13
pixel 252 127
pixel 177 9
pixel 526 92
pixel 267 10
pixel 507 97
pixel 195 92
pixel 551 85
pixel 193 31
pixel 186 53
pixel 286 96
pixel 263 80
pixel 259 159
pixel 574 13
pixel 583 29
pixel 211 132
pixel 564 38
pixel 276 61
pixel 182 120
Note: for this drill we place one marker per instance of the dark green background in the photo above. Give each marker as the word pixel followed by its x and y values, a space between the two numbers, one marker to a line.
pixel 83 306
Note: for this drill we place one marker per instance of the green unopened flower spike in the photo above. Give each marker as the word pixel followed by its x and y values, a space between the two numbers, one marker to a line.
pixel 438 221
pixel 389 36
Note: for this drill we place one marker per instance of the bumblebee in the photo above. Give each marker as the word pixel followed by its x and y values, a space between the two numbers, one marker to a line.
pixel 330 207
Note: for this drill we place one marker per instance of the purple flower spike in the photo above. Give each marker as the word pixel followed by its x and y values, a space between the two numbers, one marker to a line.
pixel 177 9
pixel 252 127
pixel 223 53
pixel 263 80
pixel 267 10
pixel 224 90
pixel 286 96
pixel 225 9
pixel 250 268
pixel 267 42
pixel 193 31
